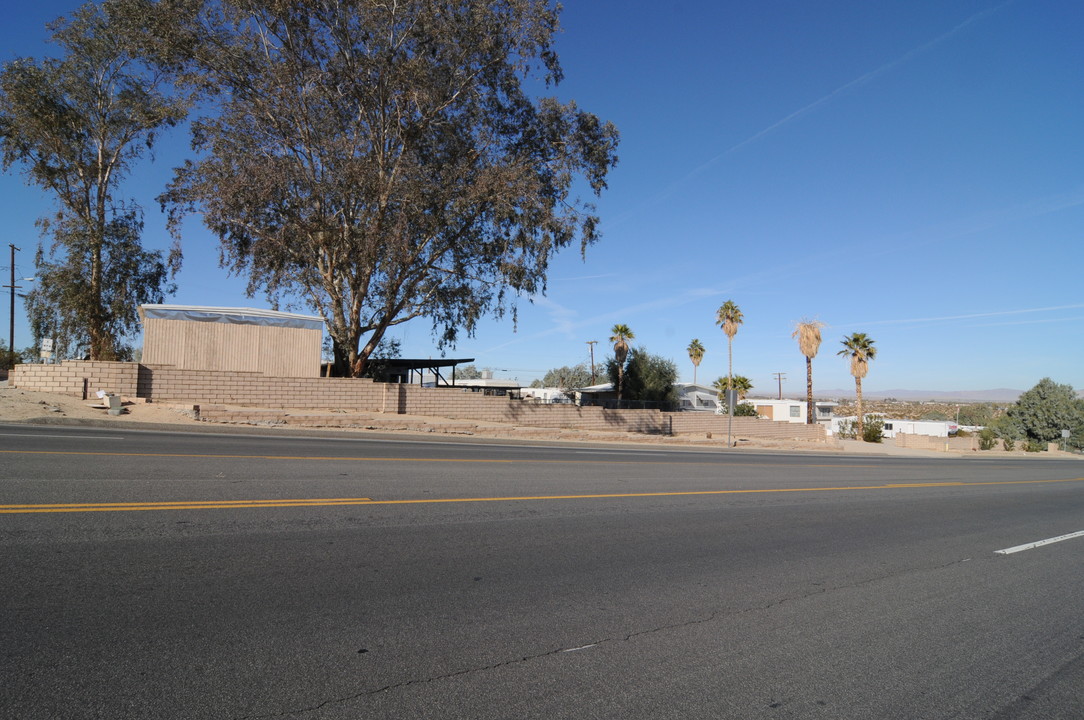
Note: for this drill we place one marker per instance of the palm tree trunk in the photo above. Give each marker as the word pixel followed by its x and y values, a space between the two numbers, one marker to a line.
pixel 858 395
pixel 730 362
pixel 809 419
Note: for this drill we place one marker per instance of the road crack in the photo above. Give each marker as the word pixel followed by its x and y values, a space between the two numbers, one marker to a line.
pixel 714 616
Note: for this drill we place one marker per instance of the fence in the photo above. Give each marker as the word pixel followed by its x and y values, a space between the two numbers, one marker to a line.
pixel 159 383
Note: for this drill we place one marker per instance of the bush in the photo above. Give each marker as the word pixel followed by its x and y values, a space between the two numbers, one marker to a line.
pixel 1010 444
pixel 848 430
pixel 647 378
pixel 987 439
pixel 1047 409
pixel 1034 446
pixel 873 431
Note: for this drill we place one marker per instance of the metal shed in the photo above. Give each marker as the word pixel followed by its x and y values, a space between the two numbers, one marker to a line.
pixel 191 337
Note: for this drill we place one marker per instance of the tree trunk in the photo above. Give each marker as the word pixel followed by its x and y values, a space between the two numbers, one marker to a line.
pixel 809 418
pixel 730 363
pixel 96 329
pixel 366 352
pixel 345 353
pixel 858 396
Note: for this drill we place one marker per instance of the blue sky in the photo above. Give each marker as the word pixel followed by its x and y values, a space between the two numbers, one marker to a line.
pixel 909 169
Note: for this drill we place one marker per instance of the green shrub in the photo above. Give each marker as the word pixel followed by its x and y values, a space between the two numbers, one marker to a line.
pixel 873 431
pixel 743 409
pixel 1010 444
pixel 848 430
pixel 1034 446
pixel 987 439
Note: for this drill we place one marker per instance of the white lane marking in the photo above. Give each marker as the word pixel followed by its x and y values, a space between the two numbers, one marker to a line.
pixel 1039 543
pixel 63 437
pixel 581 647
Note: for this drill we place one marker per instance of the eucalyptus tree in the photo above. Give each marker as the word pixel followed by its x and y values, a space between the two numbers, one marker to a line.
pixel 568 378
pixel 859 349
pixel 696 354
pixel 808 333
pixel 76 124
pixel 620 335
pixel 383 161
pixel 729 317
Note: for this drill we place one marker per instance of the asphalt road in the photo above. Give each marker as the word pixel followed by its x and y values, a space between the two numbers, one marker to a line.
pixel 158 575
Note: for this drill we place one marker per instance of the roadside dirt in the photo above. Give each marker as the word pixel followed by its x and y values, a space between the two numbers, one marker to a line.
pixel 23 405
pixel 29 406
pixel 38 407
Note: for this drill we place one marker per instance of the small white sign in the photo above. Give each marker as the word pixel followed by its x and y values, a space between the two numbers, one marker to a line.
pixel 46 345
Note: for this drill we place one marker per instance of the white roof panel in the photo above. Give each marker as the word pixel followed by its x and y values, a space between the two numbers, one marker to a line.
pixel 237 316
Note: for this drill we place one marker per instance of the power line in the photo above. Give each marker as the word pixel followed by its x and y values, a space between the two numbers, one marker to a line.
pixel 780 376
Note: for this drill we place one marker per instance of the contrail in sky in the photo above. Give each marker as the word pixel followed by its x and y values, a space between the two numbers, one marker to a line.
pixel 970 316
pixel 857 82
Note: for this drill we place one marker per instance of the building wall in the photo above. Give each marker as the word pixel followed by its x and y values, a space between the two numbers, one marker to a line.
pixel 273 351
pixel 215 387
pixel 779 410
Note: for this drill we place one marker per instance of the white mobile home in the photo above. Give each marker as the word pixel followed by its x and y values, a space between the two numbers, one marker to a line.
pixel 793 411
pixel 894 427
pixel 692 396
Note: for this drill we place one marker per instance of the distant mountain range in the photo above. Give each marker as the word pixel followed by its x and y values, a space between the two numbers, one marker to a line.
pixel 998 395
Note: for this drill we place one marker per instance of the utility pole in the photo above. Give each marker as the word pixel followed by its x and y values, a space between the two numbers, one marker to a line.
pixel 14 287
pixel 591 344
pixel 780 376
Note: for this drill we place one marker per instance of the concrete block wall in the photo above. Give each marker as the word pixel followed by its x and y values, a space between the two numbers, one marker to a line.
pixel 940 444
pixel 161 383
pixel 689 422
pixel 72 377
pixel 465 405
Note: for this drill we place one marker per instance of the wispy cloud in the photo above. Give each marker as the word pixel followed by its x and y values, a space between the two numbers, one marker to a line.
pixel 910 240
pixel 564 318
pixel 581 278
pixel 567 322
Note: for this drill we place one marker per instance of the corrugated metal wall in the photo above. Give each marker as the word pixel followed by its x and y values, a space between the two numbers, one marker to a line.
pixel 275 351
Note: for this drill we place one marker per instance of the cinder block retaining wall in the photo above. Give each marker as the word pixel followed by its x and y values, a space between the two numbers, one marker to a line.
pixel 76 377
pixel 956 444
pixel 941 444
pixel 168 384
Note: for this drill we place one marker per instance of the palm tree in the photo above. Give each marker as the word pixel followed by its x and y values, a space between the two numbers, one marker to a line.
pixel 729 317
pixel 620 334
pixel 741 384
pixel 696 354
pixel 808 333
pixel 859 348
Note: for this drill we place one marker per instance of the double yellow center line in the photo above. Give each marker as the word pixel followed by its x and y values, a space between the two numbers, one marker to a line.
pixel 338 502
